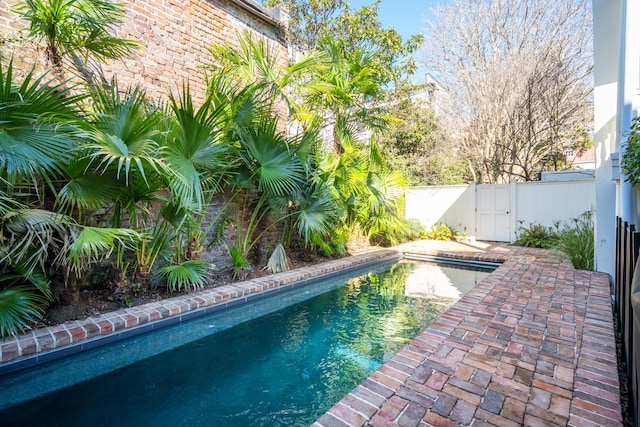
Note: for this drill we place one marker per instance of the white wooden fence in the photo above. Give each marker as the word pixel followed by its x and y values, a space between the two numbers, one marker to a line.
pixel 494 212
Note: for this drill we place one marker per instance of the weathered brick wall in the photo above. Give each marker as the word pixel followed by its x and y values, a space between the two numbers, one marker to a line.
pixel 13 45
pixel 175 36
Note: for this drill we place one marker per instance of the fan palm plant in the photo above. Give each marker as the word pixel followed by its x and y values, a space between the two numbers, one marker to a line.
pixel 279 171
pixel 256 63
pixel 367 192
pixel 347 90
pixel 76 30
pixel 119 171
pixel 195 151
pixel 39 128
pixel 35 242
pixel 271 170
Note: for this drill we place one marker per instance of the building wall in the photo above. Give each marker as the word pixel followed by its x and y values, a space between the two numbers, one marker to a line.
pixel 175 36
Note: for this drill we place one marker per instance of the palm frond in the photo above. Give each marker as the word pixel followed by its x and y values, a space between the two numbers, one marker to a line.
pixel 85 190
pixel 194 152
pixel 271 161
pixel 36 278
pixel 190 274
pixel 37 131
pixel 95 243
pixel 33 236
pixel 278 261
pixel 19 305
pixel 317 214
pixel 125 134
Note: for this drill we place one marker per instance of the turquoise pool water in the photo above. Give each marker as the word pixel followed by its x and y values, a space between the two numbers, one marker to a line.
pixel 282 361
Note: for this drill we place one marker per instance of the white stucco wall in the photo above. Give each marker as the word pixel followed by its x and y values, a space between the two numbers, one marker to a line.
pixel 547 202
pixel 451 204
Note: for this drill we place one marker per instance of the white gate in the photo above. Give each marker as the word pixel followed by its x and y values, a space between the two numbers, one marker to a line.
pixel 493 206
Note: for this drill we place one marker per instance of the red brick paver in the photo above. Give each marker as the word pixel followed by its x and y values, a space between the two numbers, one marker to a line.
pixel 532 344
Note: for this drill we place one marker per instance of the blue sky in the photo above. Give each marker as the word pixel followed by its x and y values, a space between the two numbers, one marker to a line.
pixel 406 16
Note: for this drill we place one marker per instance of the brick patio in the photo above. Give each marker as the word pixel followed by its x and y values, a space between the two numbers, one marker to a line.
pixel 533 344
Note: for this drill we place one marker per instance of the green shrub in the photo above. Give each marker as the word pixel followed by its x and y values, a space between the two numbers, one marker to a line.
pixel 415 230
pixel 537 236
pixel 574 239
pixel 238 260
pixel 631 158
pixel 577 241
pixel 411 229
pixel 441 231
pixel 333 245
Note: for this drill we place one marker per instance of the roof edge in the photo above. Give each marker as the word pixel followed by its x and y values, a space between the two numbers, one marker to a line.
pixel 270 16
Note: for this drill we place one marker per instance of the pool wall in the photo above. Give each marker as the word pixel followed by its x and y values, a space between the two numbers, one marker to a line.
pixel 53 342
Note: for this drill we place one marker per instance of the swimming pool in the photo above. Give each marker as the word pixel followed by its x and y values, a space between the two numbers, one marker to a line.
pixel 280 361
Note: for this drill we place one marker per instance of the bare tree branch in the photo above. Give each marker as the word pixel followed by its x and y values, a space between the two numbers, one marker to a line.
pixel 520 77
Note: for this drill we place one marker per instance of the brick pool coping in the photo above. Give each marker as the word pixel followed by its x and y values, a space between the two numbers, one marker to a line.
pixel 532 344
pixel 57 341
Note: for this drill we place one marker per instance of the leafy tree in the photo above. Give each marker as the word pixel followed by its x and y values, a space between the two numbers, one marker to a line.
pixel 520 75
pixel 347 91
pixel 393 57
pixel 418 145
pixel 311 21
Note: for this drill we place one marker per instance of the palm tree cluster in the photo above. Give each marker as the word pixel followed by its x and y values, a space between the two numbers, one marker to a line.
pixel 99 176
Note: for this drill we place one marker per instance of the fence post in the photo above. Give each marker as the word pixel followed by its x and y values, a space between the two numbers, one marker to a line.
pixel 627 307
pixel 618 271
pixel 629 285
pixel 633 363
pixel 624 273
